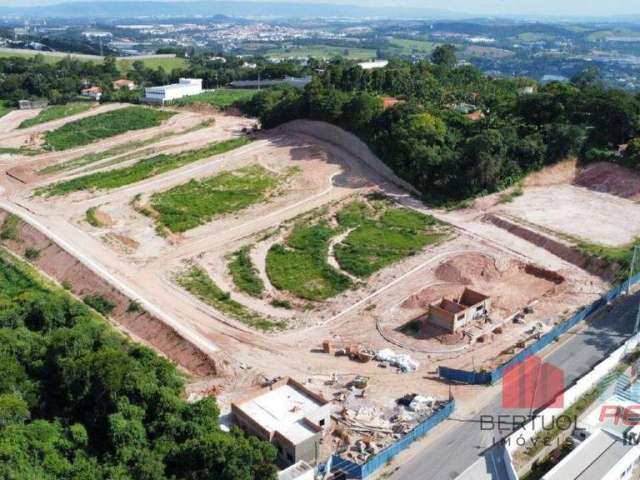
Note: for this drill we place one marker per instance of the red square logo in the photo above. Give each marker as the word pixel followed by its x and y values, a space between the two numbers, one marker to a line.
pixel 533 384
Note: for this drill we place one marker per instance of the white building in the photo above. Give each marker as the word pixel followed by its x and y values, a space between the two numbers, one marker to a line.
pixel 165 93
pixel 374 64
pixel 603 454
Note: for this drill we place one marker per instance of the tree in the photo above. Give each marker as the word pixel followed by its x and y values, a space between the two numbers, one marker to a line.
pixel 444 56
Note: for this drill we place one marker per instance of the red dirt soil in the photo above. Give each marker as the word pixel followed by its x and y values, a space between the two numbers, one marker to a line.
pixel 610 178
pixel 141 325
pixel 511 286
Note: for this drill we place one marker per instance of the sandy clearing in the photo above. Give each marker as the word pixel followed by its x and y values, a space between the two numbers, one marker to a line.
pixel 13 119
pixel 581 213
pixel 26 136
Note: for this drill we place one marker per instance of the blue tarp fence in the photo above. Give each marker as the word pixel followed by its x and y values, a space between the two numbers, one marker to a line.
pixel 483 378
pixel 354 470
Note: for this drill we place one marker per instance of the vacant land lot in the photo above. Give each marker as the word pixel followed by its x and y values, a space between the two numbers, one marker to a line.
pixel 140 170
pixel 579 213
pixel 382 235
pixel 221 98
pixel 300 265
pixel 104 125
pixel 186 206
pixel 55 112
pixel 403 46
pixel 196 281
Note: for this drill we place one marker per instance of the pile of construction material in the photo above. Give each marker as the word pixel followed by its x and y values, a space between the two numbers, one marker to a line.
pixel 364 430
pixel 364 354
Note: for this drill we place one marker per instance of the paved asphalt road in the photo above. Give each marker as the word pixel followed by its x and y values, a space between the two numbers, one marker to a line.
pixel 454 452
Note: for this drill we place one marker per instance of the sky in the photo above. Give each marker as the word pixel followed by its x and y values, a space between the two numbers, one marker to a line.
pixel 475 7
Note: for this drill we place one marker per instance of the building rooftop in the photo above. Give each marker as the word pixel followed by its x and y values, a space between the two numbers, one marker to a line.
pixel 294 471
pixel 592 459
pixel 283 410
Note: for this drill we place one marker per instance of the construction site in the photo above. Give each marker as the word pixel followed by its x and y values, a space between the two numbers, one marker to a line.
pixel 295 253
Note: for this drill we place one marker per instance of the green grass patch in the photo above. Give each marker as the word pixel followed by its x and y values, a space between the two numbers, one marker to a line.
pixel 403 46
pixel 301 267
pixel 197 282
pixel 508 197
pixel 104 125
pixel 141 170
pixel 91 218
pixel 167 63
pixel 244 273
pixel 10 228
pixel 621 256
pixel 323 51
pixel 196 202
pixel 100 303
pixel 5 107
pixel 221 98
pixel 381 238
pixel 56 112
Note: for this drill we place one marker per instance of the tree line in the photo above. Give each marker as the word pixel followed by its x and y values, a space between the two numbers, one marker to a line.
pixel 80 402
pixel 429 139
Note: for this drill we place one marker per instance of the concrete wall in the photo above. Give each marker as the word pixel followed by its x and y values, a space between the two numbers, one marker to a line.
pixel 582 386
pixel 348 142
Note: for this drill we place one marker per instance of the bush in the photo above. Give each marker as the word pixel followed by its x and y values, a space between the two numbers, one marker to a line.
pixel 100 303
pixel 31 254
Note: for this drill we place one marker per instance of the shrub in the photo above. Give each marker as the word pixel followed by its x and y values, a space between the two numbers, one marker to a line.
pixel 31 254
pixel 100 303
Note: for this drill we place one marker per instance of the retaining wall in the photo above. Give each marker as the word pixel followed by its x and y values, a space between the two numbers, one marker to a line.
pixel 357 471
pixel 483 378
pixel 347 142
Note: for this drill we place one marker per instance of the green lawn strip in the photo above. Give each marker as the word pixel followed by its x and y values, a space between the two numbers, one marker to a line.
pixel 104 125
pixel 197 282
pixel 221 98
pixel 196 202
pixel 244 273
pixel 377 242
pixel 621 256
pixel 10 228
pixel 301 267
pixel 119 151
pixel 141 170
pixel 54 112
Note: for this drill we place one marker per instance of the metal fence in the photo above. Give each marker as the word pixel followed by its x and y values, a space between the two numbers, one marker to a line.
pixel 357 471
pixel 483 378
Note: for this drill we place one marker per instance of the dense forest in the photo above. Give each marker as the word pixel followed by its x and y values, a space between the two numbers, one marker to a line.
pixel 429 138
pixel 80 402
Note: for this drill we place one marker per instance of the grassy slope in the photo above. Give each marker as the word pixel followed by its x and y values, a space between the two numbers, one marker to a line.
pixel 124 64
pixel 197 282
pixel 104 125
pixel 244 273
pixel 301 266
pixel 55 112
pixel 4 108
pixel 221 98
pixel 140 170
pixel 194 203
pixel 323 51
pixel 382 238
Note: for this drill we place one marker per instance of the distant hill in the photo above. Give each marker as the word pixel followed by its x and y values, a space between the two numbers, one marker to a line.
pixel 231 8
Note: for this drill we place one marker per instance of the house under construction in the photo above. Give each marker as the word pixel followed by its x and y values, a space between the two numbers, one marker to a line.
pixel 452 315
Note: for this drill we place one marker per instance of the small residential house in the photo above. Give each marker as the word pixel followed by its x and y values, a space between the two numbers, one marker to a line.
pixel 123 83
pixel 92 92
pixel 287 414
pixel 453 314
